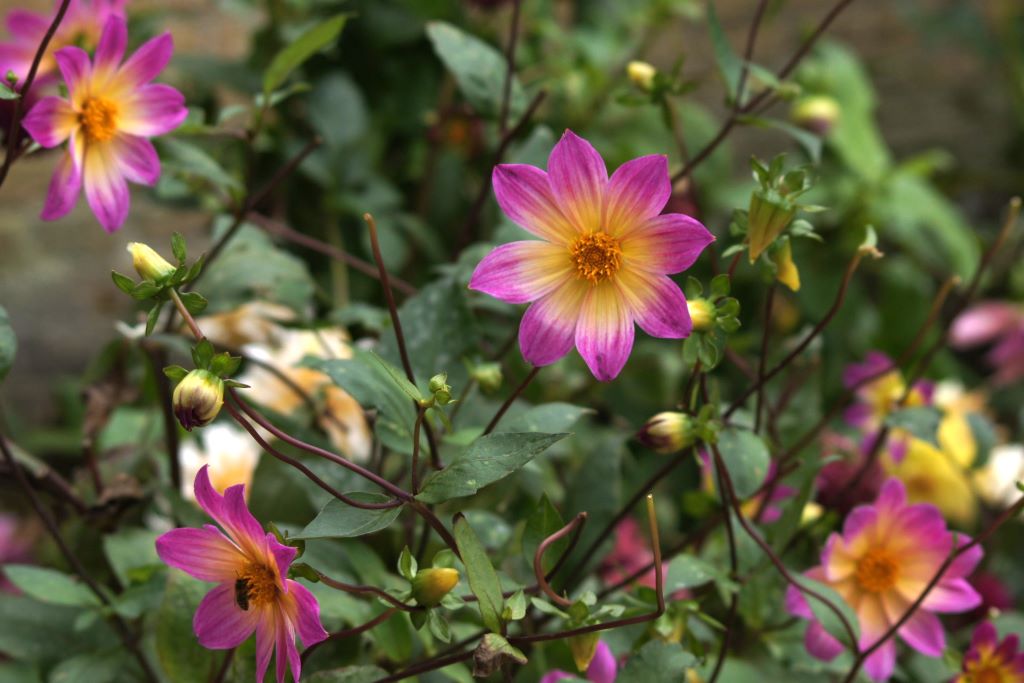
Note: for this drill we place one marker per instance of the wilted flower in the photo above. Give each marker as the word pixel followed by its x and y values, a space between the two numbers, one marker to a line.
pixel 996 322
pixel 888 552
pixel 149 264
pixel 816 113
pixel 603 260
pixel 255 322
pixel 429 586
pixel 603 668
pixel 990 661
pixel 111 111
pixel 253 591
pixel 198 398
pixel 641 74
pixel 667 432
pixel 230 453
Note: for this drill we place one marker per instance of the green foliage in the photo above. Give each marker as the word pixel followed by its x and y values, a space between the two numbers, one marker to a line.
pixel 340 520
pixel 322 34
pixel 745 458
pixel 483 580
pixel 8 344
pixel 657 662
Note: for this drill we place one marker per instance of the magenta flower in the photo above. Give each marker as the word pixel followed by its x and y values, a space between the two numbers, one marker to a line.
pixel 15 548
pixel 253 592
pixel 603 668
pixel 886 555
pixel 630 554
pixel 998 322
pixel 111 112
pixel 991 661
pixel 603 258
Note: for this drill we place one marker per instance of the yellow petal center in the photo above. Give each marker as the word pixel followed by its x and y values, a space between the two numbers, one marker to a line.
pixel 99 119
pixel 877 571
pixel 256 585
pixel 597 256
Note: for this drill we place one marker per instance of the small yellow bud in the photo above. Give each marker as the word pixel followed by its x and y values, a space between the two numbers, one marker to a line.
pixel 488 376
pixel 429 586
pixel 641 74
pixel 583 647
pixel 702 314
pixel 786 271
pixel 667 432
pixel 149 264
pixel 766 219
pixel 816 113
pixel 198 398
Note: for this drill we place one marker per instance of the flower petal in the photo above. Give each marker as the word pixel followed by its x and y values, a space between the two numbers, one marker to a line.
pixel 51 121
pixel 522 271
pixel 548 327
pixel 524 194
pixel 76 69
pixel 282 555
pixel 137 159
pixel 604 333
pixel 923 632
pixel 266 637
pixel 110 49
pixel 637 191
pixel 219 623
pixel 665 244
pixel 879 666
pixel 205 554
pixel 603 666
pixel 285 644
pixel 65 186
pixel 984 322
pixel 231 513
pixel 656 303
pixel 304 612
pixel 152 110
pixel 146 63
pixel 105 186
pixel 820 642
pixel 578 180
pixel 951 595
pixel 27 26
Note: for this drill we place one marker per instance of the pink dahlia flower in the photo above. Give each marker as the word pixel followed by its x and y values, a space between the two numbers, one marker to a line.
pixel 991 661
pixel 999 323
pixel 111 112
pixel 880 564
pixel 253 592
pixel 603 258
pixel 603 668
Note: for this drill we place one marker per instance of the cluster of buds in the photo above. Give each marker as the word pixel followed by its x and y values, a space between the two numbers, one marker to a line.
pixel 199 396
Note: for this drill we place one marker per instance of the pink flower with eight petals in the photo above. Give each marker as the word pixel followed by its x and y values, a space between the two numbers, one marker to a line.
pixel 253 592
pixel 991 661
pixel 886 555
pixel 111 112
pixel 603 258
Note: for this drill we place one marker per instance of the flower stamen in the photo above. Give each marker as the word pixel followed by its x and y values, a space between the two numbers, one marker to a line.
pixel 597 256
pixel 877 571
pixel 99 119
pixel 256 585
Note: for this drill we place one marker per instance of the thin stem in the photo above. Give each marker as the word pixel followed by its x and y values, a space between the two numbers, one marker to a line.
pixel 730 618
pixel 420 412
pixel 538 557
pixel 158 360
pixel 369 590
pixel 225 666
pixel 763 359
pixel 429 665
pixel 510 400
pixel 185 315
pixel 510 71
pixel 349 632
pixel 748 53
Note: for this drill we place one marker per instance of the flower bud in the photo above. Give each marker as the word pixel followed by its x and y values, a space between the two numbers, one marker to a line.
pixel 149 264
pixel 583 647
pixel 641 74
pixel 439 387
pixel 488 376
pixel 785 270
pixel 816 113
pixel 767 218
pixel 429 586
pixel 702 314
pixel 667 432
pixel 197 399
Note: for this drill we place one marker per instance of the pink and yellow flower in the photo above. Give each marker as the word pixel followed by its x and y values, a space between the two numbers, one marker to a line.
pixel 603 258
pixel 1001 324
pixel 880 564
pixel 990 661
pixel 603 668
pixel 111 111
pixel 253 592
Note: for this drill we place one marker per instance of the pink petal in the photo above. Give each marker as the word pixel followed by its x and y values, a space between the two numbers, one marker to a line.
pixel 111 47
pixel 656 303
pixel 105 187
pixel 603 666
pixel 266 635
pixel 637 191
pixel 951 595
pixel 965 563
pixel 283 554
pixel 137 159
pixel 578 179
pixel 875 365
pixel 522 271
pixel 924 633
pixel 152 110
pixel 665 244
pixel 555 676
pixel 76 69
pixel 205 554
pixel 306 614
pixel 27 26
pixel 285 642
pixel 820 643
pixel 219 623
pixel 147 62
pixel 879 666
pixel 65 186
pixel 985 636
pixel 548 327
pixel 604 333
pixel 984 322
pixel 796 603
pixel 524 194
pixel 230 512
pixel 891 498
pixel 51 121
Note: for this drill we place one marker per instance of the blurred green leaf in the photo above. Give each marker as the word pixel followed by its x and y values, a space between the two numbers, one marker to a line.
pixel 549 417
pixel 190 160
pixel 730 65
pixel 340 520
pixel 920 421
pixel 349 674
pixel 687 571
pixel 829 620
pixel 543 521
pixel 323 33
pixel 108 666
pixel 50 586
pixel 746 459
pixel 181 657
pixel 131 552
pixel 483 580
pixel 8 344
pixel 657 662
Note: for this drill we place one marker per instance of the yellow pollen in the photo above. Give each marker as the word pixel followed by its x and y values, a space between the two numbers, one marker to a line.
pixel 597 256
pixel 256 585
pixel 99 119
pixel 877 571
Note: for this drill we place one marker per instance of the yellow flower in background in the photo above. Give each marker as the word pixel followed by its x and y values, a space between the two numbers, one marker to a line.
pixel 955 434
pixel 932 475
pixel 230 452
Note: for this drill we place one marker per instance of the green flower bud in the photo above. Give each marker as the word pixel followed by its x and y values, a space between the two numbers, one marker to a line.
pixel 768 216
pixel 702 314
pixel 149 264
pixel 488 376
pixel 438 386
pixel 197 399
pixel 816 113
pixel 641 74
pixel 429 586
pixel 583 648
pixel 667 432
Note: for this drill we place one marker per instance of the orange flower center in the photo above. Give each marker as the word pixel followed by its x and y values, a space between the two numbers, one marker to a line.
pixel 597 256
pixel 256 585
pixel 877 570
pixel 99 119
pixel 988 674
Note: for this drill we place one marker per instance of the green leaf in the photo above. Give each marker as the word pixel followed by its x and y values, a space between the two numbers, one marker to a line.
pixel 131 552
pixel 657 662
pixel 687 571
pixel 50 586
pixel 920 421
pixel 349 674
pixel 825 615
pixel 194 302
pixel 487 460
pixel 180 655
pixel 483 580
pixel 549 417
pixel 8 344
pixel 6 93
pixel 123 282
pixel 729 63
pixel 153 316
pixel 178 247
pixel 479 69
pixel 746 459
pixel 34 631
pixel 189 160
pixel 439 625
pixel 515 607
pixel 407 564
pixel 305 46
pixel 543 521
pixel 809 141
pixel 339 520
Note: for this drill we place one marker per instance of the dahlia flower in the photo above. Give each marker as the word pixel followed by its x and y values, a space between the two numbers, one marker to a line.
pixel 603 668
pixel 990 661
pixel 603 258
pixel 253 592
pixel 1000 323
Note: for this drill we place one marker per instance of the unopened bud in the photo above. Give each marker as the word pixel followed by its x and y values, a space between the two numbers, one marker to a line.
pixel 488 376
pixel 767 218
pixel 197 399
pixel 149 264
pixel 641 74
pixel 429 586
pixel 438 386
pixel 702 314
pixel 816 113
pixel 785 270
pixel 583 647
pixel 667 432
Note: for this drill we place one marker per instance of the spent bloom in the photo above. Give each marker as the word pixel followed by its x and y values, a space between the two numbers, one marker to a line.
pixel 998 323
pixel 990 661
pixel 880 564
pixel 603 668
pixel 253 591
pixel 603 259
pixel 230 453
pixel 110 113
